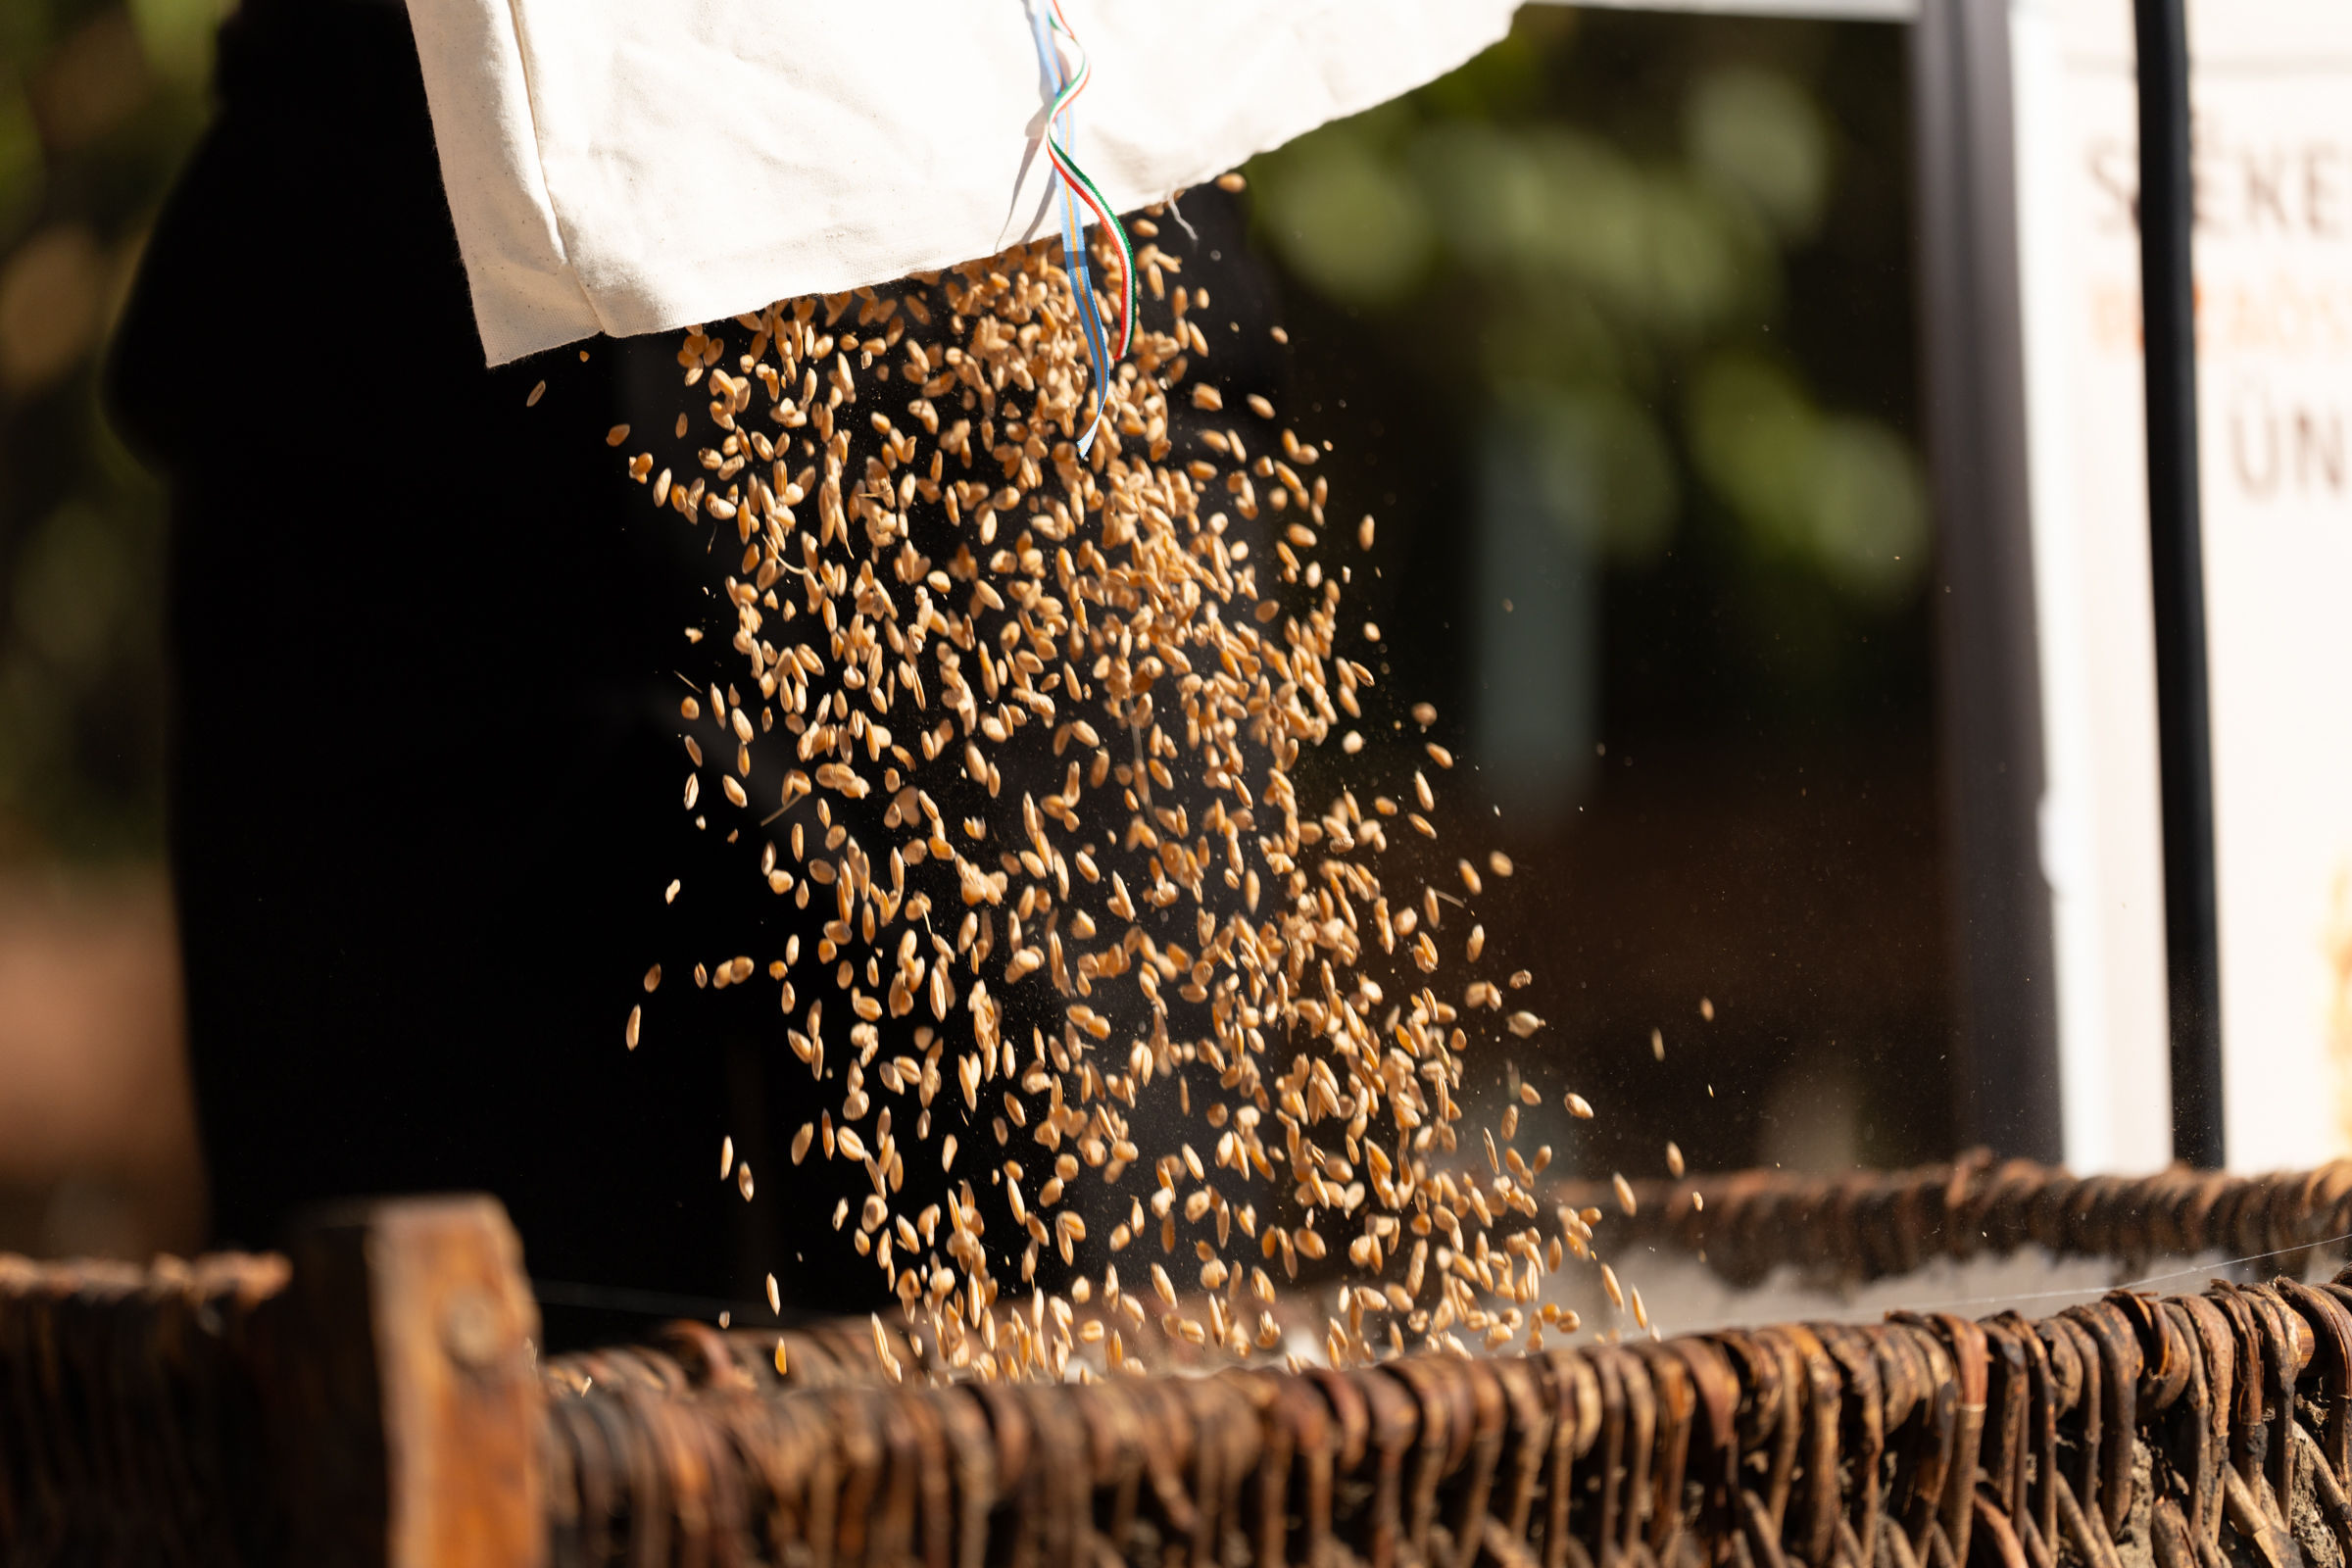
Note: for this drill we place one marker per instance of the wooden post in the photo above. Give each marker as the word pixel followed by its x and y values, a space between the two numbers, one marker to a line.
pixel 406 1406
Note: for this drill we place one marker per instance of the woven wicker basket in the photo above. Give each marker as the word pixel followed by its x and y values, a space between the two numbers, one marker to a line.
pixel 374 1398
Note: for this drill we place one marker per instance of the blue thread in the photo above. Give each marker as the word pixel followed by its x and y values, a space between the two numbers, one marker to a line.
pixel 1082 287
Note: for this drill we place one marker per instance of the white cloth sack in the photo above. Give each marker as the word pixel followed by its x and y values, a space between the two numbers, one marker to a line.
pixel 635 166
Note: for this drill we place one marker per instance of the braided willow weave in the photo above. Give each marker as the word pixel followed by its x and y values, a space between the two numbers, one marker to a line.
pixel 2183 1432
pixel 1874 1224
pixel 130 1418
pixel 136 1424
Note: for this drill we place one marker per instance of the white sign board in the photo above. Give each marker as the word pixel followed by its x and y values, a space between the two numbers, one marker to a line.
pixel 2271 91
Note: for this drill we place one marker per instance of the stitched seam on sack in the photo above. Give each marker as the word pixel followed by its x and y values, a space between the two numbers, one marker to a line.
pixel 530 100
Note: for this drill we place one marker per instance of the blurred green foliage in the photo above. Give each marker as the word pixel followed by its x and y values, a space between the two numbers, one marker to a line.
pixel 1615 330
pixel 99 106
pixel 1618 286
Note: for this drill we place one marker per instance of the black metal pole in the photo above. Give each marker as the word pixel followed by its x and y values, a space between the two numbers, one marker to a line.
pixel 2185 750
